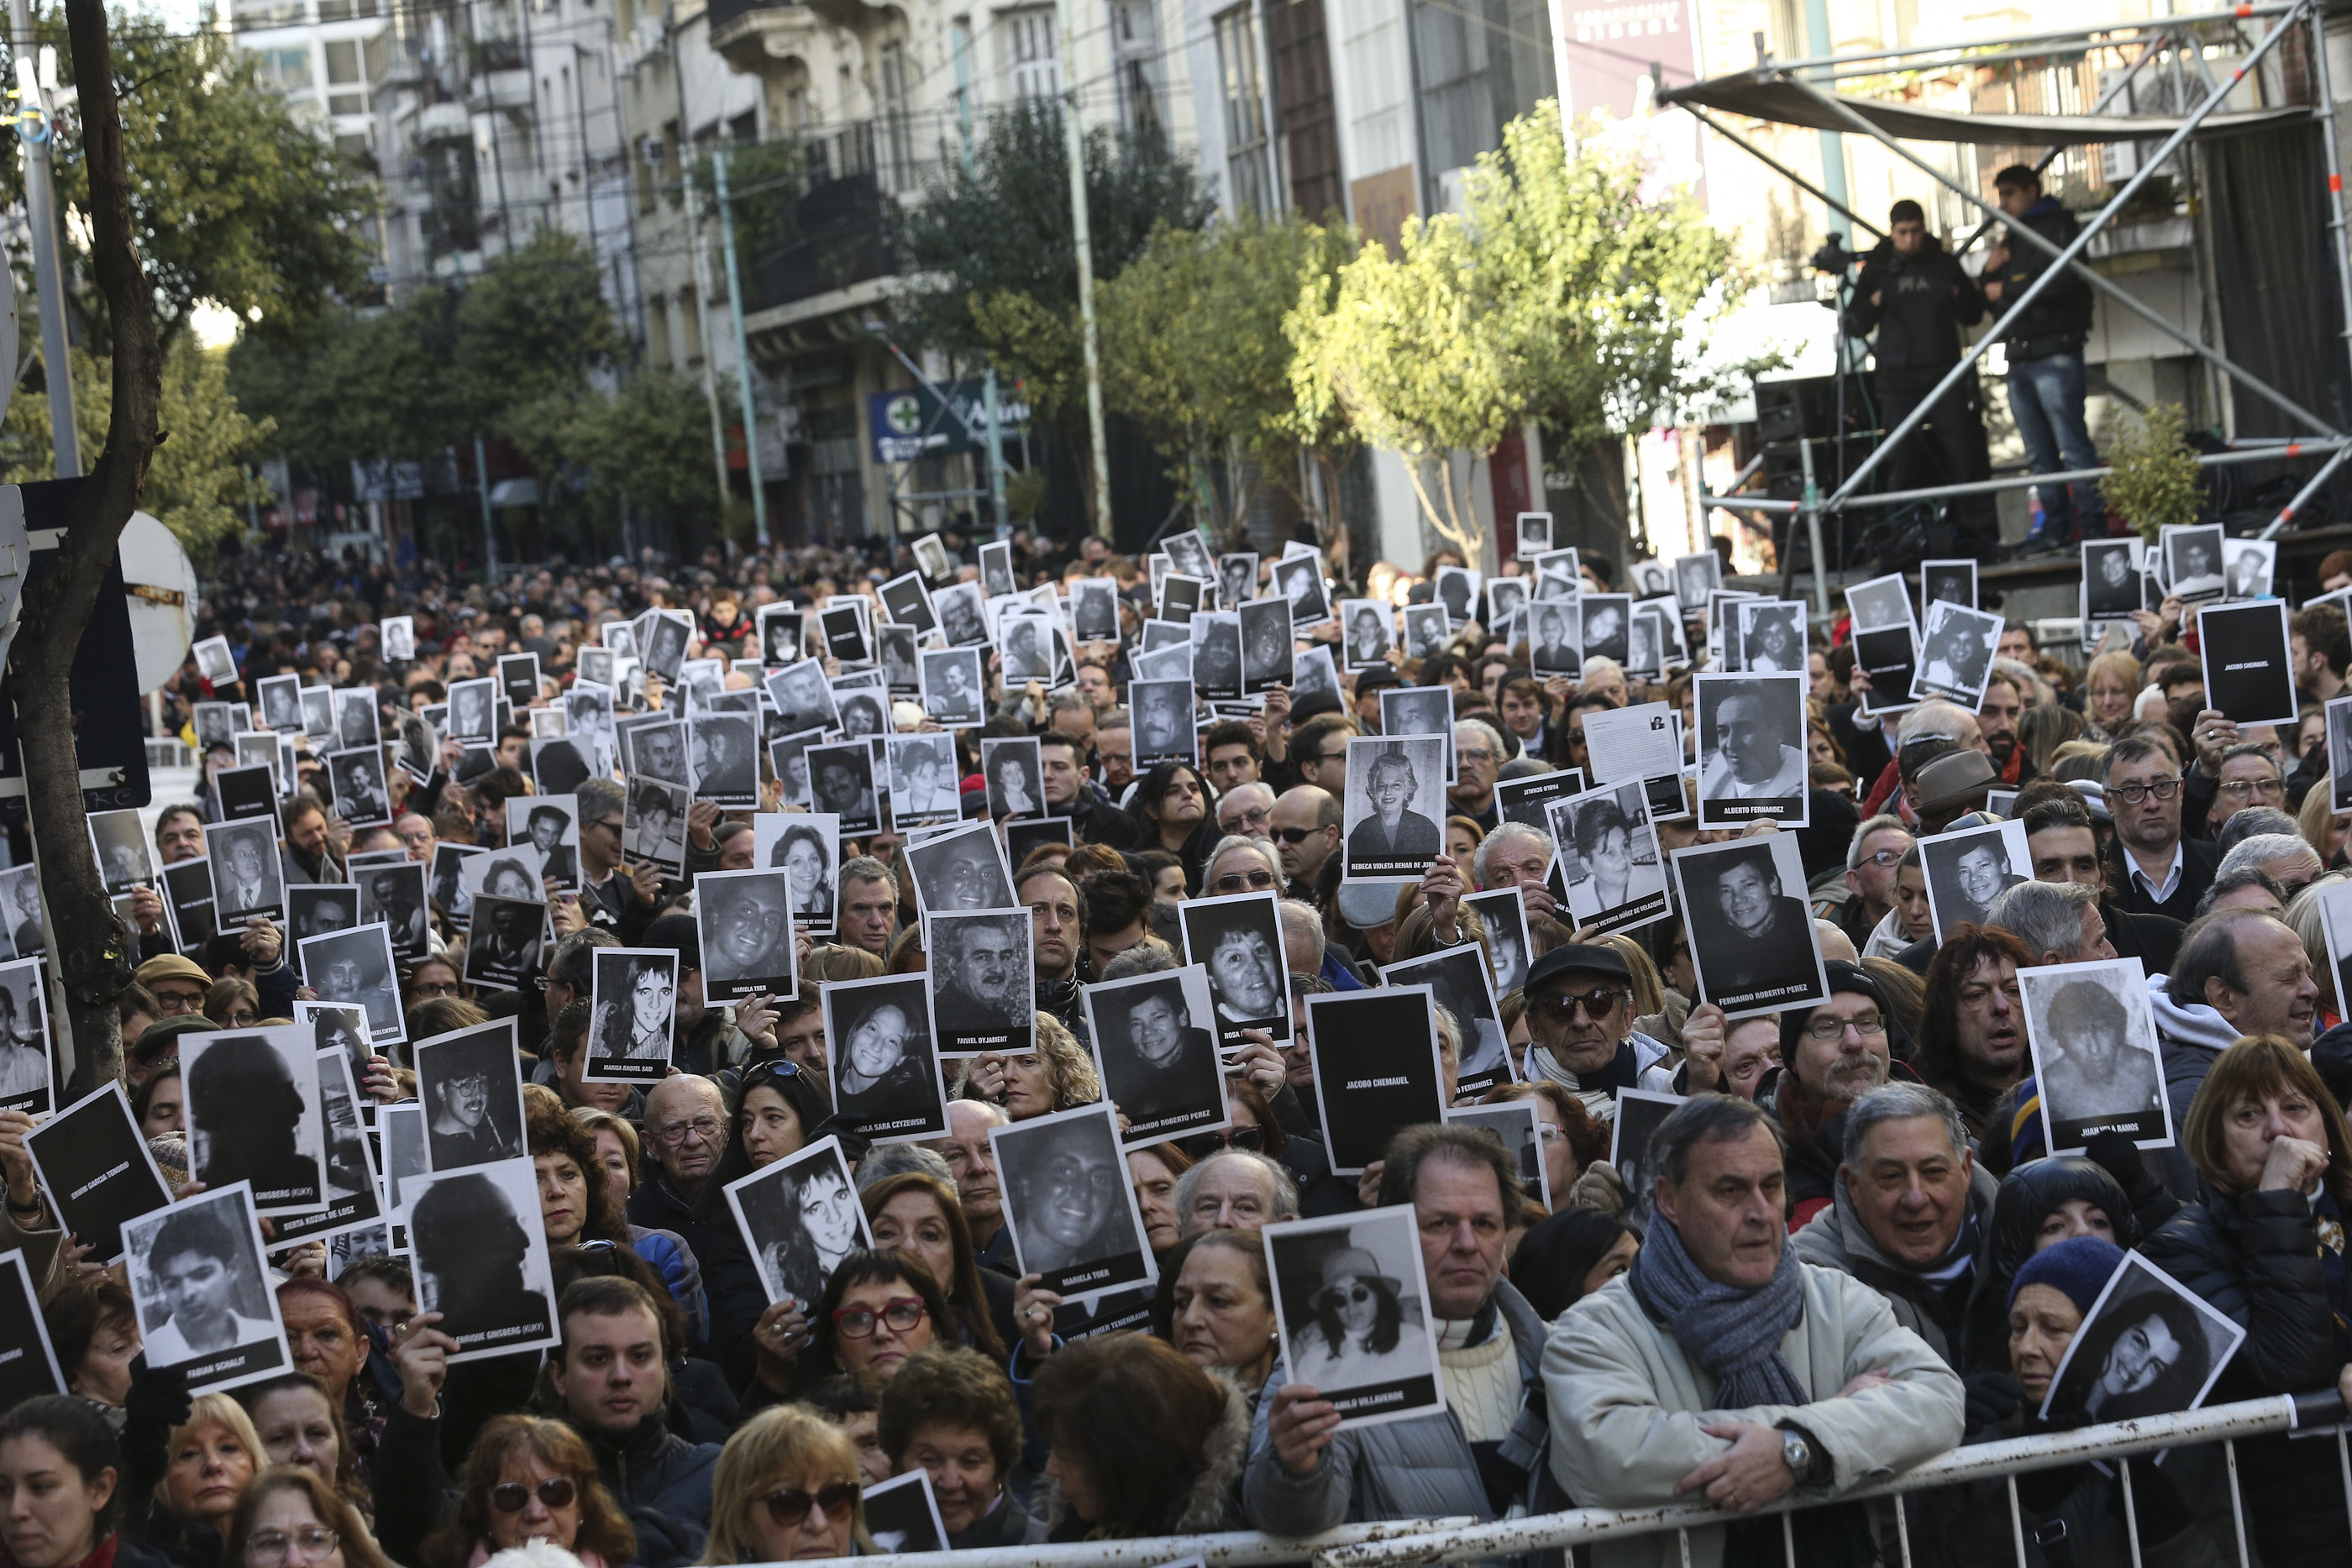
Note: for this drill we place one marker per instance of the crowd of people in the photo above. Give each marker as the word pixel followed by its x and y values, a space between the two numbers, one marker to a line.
pixel 1846 1249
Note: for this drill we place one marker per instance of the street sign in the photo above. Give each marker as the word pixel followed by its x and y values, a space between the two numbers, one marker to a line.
pixel 110 722
pixel 912 422
pixel 162 584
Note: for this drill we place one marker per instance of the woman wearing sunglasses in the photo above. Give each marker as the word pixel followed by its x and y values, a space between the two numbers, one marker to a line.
pixel 785 1489
pixel 527 1478
pixel 878 1308
pixel 292 1519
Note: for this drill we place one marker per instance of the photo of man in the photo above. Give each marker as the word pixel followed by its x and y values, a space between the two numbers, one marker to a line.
pixel 1217 657
pixel 1068 1202
pixel 1956 648
pixel 885 1080
pixel 2095 1056
pixel 657 751
pixel 1752 940
pixel 1237 579
pixel 1533 534
pixel 473 711
pixel 996 578
pixel 356 968
pixel 481 1252
pixel 252 1110
pixel 841 778
pixel 802 699
pixel 2192 561
pixel 744 919
pixel 952 686
pixel 1751 748
pixel 196 1276
pixel 1968 870
pixel 960 871
pixel 1426 631
pixel 502 950
pixel 1395 798
pixel 1239 940
pixel 1881 601
pixel 665 647
pixel 1155 1045
pixel 2250 563
pixel 2110 582
pixel 1457 589
pixel 981 989
pixel 895 647
pixel 248 878
pixel 1094 609
pixel 1696 576
pixel 1164 721
pixel 120 841
pixel 471 1088
pixel 281 704
pixel 1265 646
pixel 1368 622
pixel 361 796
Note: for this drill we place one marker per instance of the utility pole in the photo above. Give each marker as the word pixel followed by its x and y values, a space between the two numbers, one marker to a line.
pixel 694 258
pixel 1817 43
pixel 742 344
pixel 988 384
pixel 1075 138
pixel 489 533
pixel 41 214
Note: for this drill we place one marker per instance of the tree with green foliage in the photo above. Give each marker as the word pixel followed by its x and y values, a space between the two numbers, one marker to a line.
pixel 996 242
pixel 1568 292
pixel 233 200
pixel 1193 350
pixel 534 326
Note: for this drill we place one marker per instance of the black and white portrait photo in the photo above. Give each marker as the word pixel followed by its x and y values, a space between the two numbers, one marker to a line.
pixel 2249 564
pixel 1553 646
pixel 1374 1055
pixel 931 558
pixel 28 1362
pixel 503 941
pixel 996 578
pixel 353 1199
pixel 2192 562
pixel 216 724
pixel 800 1217
pixel 248 878
pixel 1217 657
pixel 1506 598
pixel 893 647
pixel 1014 775
pixel 902 1514
pixel 281 704
pixel 250 1100
pixel 1606 626
pixel 802 699
pixel 925 789
pixel 361 796
pixel 963 620
pixel 1771 636
pixel 473 710
pixel 1352 1305
pixel 215 663
pixel 95 1165
pixel 1462 983
pixel 1880 602
pixel 841 784
pixel 806 847
pixel 1639 1113
pixel 1558 577
pixel 1069 1204
pixel 206 1308
pixel 341 1028
pixel 1420 710
pixel 2110 579
pixel 1312 671
pixel 1237 578
pixel 885 1072
pixel 2099 1069
pixel 656 750
pixel 1609 860
pixel 549 825
pixel 745 921
pixel 1025 644
pixel 1457 589
pixel 356 968
pixel 653 823
pixel 726 750
pixel 469 1082
pixel 1751 750
pixel 981 989
pixel 665 644
pixel 1956 647
pixel 1533 536
pixel 2148 1346
pixel 1505 915
pixel 779 634
pixel 318 714
pixel 512 872
pixel 952 689
pixel 1300 580
pixel 25 1072
pixel 1519 1126
pixel 1367 627
pixel 479 1249
pixel 120 842
pixel 1426 631
pixel 2249 677
pixel 1162 711
pixel 1155 1044
pixel 1094 609
pixel 399 634
pixel 1395 800
pixel 357 723
pixel 631 1015
pixel 1188 554
pixel 1752 939
pixel 1948 582
pixel 1696 576
pixel 1968 869
pixel 1238 939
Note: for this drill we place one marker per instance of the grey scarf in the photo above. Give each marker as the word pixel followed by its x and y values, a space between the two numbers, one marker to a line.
pixel 1734 1334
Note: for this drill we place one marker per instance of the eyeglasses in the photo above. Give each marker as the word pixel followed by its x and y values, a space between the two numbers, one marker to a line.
pixel 1201 1146
pixel 513 1497
pixel 1473 754
pixel 901 1312
pixel 789 1506
pixel 612 826
pixel 1325 757
pixel 1256 818
pixel 1234 882
pixel 1869 1027
pixel 310 1543
pixel 435 987
pixel 2133 794
pixel 2238 789
pixel 1882 859
pixel 1563 1005
pixel 669 1135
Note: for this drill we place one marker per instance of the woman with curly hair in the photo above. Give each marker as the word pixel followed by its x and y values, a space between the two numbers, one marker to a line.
pixel 951 1415
pixel 1056 1074
pixel 528 1478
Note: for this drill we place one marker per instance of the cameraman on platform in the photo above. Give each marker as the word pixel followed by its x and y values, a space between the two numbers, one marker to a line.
pixel 1915 296
pixel 2047 381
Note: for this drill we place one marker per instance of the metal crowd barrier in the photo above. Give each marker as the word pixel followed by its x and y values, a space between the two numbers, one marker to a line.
pixel 1225 1549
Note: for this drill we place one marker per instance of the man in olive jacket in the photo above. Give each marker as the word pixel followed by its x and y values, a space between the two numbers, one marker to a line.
pixel 1722 1368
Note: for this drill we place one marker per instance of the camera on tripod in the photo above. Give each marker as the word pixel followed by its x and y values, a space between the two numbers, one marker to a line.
pixel 1833 257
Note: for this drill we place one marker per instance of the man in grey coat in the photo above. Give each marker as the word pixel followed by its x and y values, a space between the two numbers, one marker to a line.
pixel 1911 1211
pixel 1485 1453
pixel 1722 1368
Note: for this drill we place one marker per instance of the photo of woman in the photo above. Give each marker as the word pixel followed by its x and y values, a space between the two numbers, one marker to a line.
pixel 807 860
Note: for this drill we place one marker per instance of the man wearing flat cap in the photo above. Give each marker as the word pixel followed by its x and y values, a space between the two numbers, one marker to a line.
pixel 1580 1025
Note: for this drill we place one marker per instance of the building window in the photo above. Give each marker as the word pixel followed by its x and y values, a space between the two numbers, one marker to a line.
pixel 349 95
pixel 1030 64
pixel 1247 150
pixel 898 130
pixel 1135 53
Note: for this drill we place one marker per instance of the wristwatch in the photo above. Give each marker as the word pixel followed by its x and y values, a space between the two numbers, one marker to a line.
pixel 1797 1452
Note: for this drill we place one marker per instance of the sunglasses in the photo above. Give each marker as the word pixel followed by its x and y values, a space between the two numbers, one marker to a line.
pixel 1563 1005
pixel 789 1506
pixel 1358 1294
pixel 513 1497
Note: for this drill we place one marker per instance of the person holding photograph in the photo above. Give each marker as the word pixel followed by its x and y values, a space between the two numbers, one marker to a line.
pixel 878 1310
pixel 1580 1017
pixel 2264 1245
pixel 915 1211
pixel 1216 1306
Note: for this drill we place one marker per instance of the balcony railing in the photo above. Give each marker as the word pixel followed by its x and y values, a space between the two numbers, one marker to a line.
pixel 839 236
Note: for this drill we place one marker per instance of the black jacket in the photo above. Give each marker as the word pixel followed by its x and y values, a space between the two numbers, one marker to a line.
pixel 2199 861
pixel 1094 820
pixel 2256 1259
pixel 1924 300
pixel 2059 320
pixel 736 1298
pixel 2152 939
pixel 663 1484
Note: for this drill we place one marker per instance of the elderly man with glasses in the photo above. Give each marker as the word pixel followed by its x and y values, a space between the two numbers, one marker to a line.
pixel 686 1134
pixel 1241 863
pixel 1831 1055
pixel 1479 757
pixel 1246 809
pixel 1581 1027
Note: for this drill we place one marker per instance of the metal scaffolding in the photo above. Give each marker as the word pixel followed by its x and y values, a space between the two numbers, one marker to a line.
pixel 1799 93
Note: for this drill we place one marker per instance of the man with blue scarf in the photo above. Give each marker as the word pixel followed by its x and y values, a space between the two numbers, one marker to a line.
pixel 1721 1368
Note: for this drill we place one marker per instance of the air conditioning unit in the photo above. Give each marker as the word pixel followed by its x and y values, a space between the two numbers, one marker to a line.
pixel 657 154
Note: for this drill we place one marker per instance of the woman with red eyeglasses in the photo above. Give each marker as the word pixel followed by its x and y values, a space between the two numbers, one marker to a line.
pixel 527 1478
pixel 786 1490
pixel 878 1308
